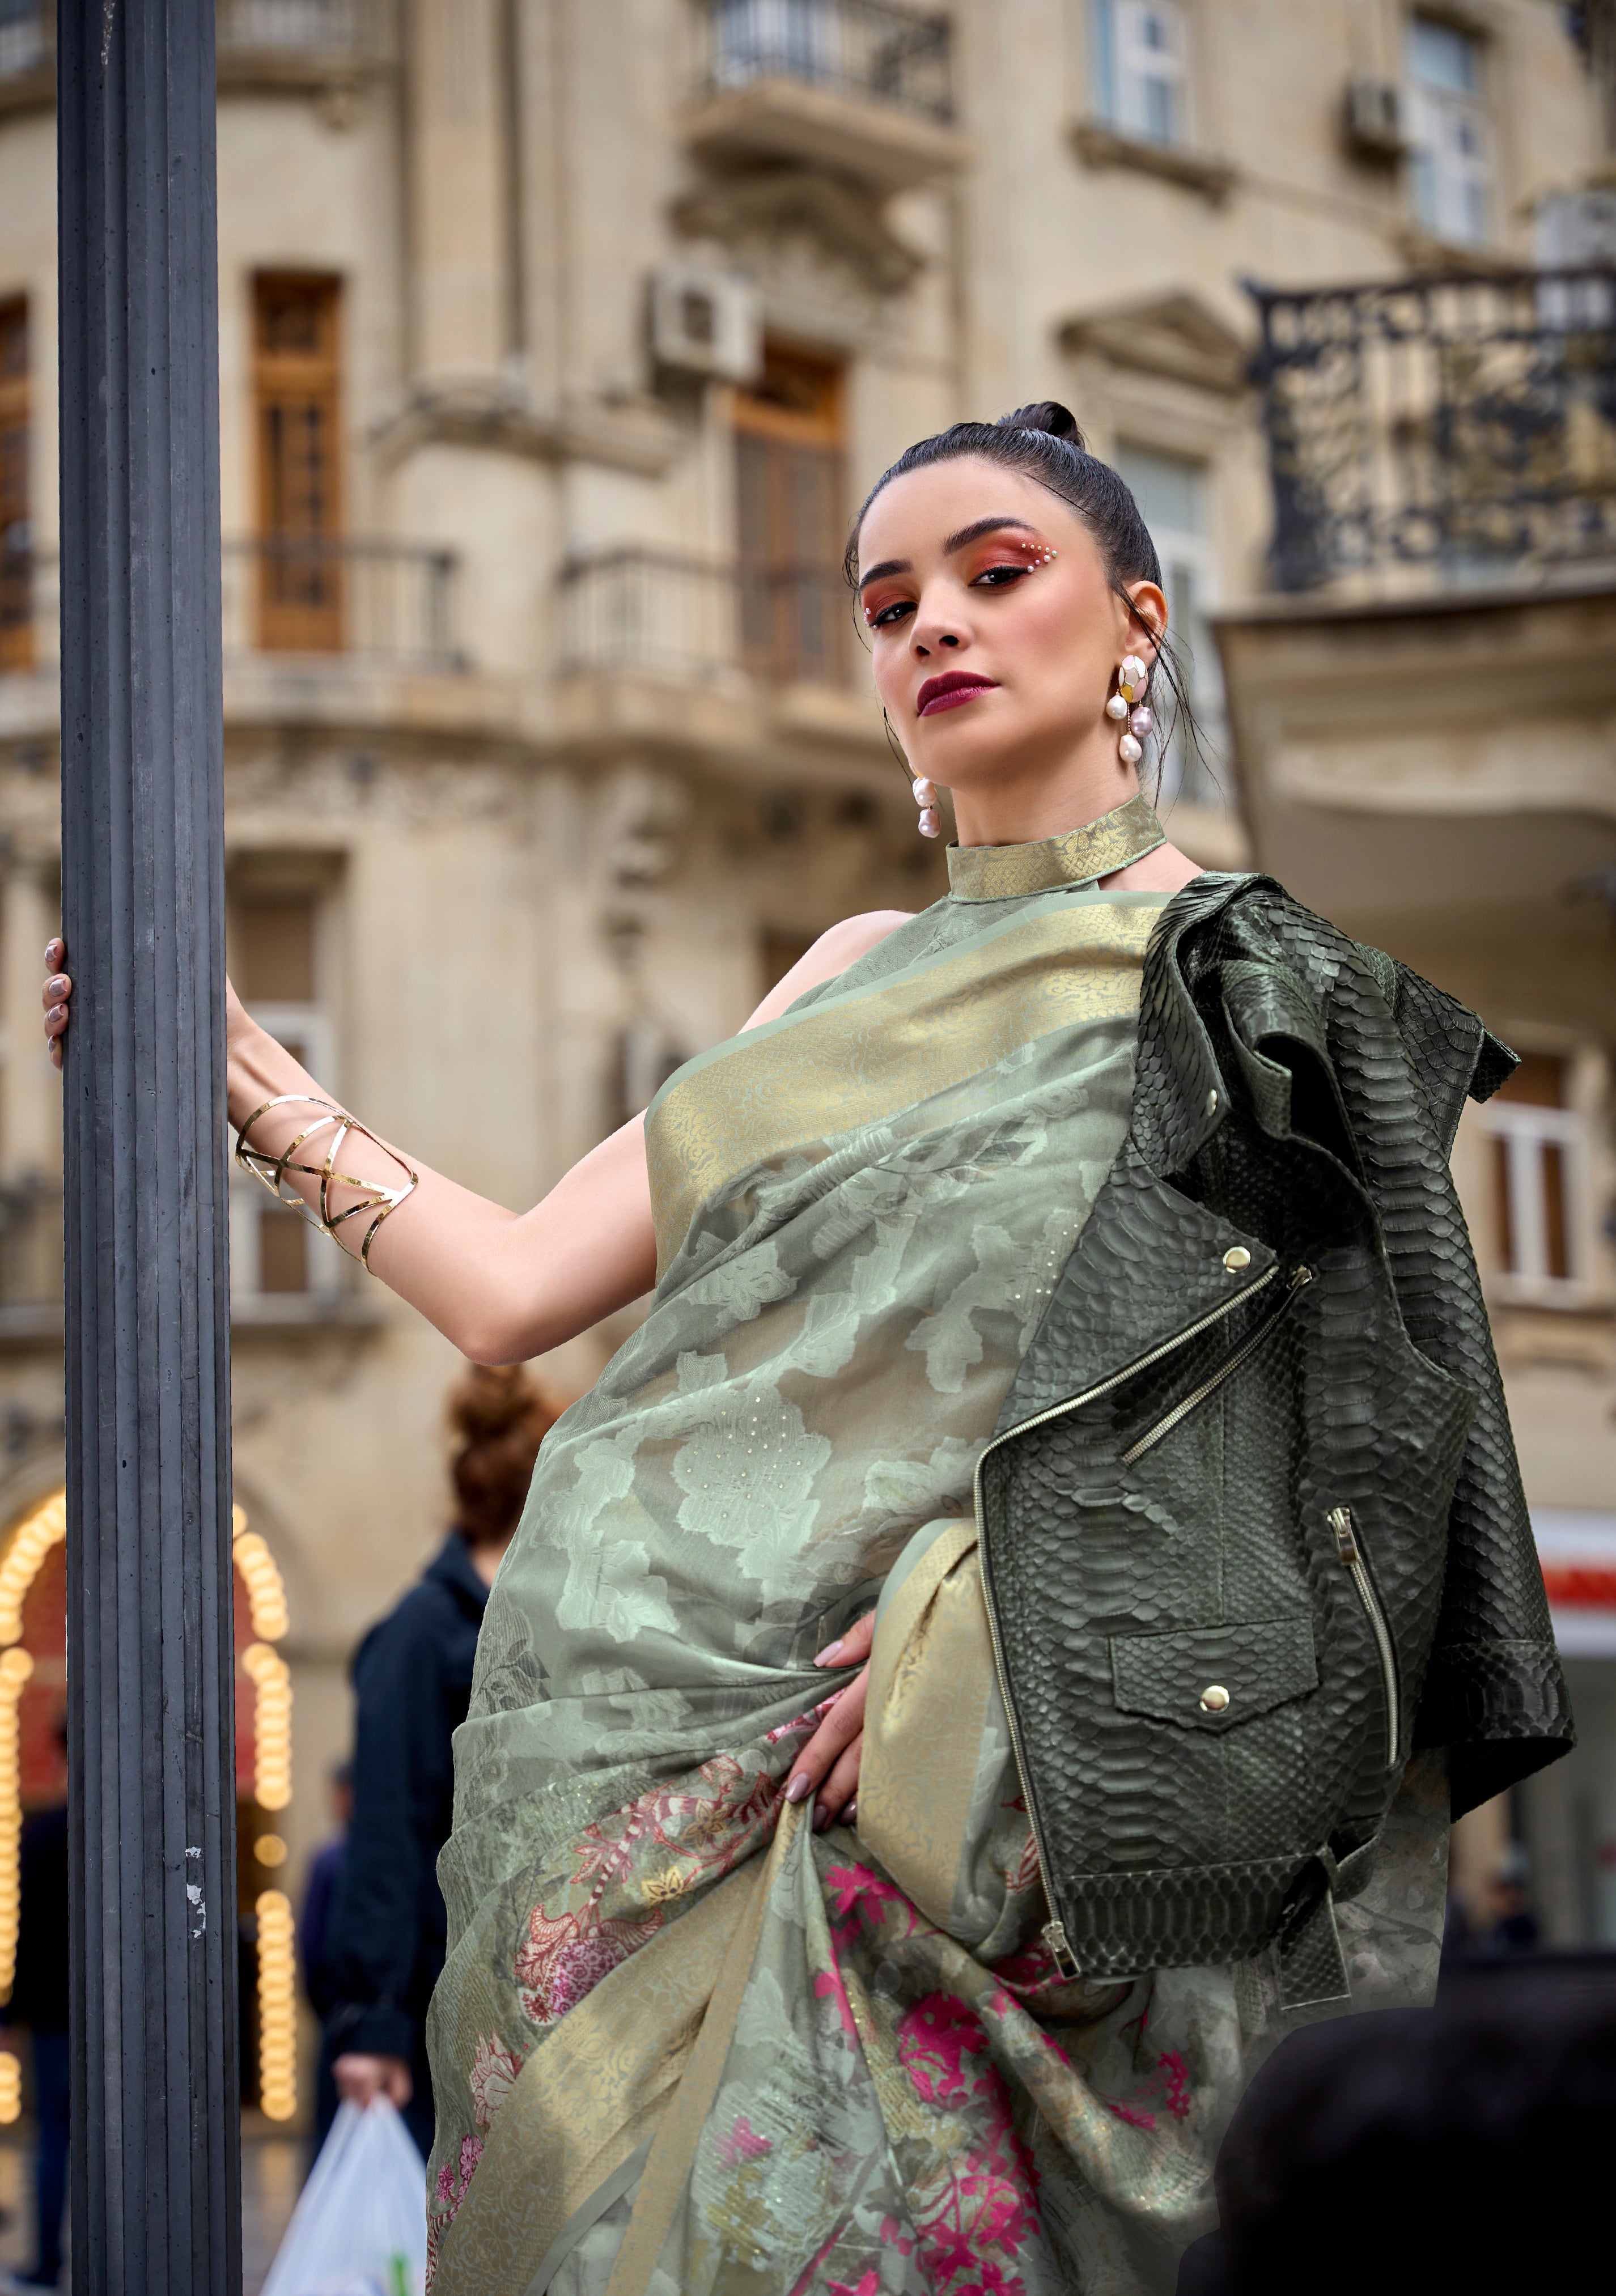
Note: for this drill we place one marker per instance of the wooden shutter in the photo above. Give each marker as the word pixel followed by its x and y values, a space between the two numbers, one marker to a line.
pixel 791 505
pixel 297 388
pixel 16 536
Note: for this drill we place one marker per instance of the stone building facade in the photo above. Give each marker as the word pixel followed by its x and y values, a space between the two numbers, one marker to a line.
pixel 559 338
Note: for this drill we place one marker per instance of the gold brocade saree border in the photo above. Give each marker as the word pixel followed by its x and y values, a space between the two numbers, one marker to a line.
pixel 867 1055
pixel 925 1710
pixel 590 2095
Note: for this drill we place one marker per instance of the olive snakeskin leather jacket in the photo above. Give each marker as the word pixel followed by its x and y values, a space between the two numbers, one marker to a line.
pixel 1252 1524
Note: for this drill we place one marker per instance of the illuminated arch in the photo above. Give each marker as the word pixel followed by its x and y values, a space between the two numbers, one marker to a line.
pixel 43 1527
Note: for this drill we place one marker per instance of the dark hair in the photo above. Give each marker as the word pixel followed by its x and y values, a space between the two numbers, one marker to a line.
pixel 500 1418
pixel 1044 443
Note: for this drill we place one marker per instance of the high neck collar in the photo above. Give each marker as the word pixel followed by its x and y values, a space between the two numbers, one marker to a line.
pixel 1003 873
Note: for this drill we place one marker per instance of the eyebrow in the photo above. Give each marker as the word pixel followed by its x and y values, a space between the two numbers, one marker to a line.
pixel 953 542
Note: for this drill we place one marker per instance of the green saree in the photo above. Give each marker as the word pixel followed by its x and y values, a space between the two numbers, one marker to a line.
pixel 684 2045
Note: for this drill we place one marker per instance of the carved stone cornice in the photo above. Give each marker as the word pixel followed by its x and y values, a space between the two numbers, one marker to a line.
pixel 772 203
pixel 1175 335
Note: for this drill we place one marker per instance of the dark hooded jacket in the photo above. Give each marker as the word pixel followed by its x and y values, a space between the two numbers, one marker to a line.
pixel 412 1683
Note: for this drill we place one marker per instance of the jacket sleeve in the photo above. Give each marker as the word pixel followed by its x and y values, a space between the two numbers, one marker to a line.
pixel 1494 1694
pixel 375 1944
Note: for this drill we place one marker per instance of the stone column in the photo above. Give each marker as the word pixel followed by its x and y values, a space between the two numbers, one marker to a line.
pixel 155 2174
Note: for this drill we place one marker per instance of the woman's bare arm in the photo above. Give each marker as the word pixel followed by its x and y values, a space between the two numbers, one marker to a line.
pixel 502 1285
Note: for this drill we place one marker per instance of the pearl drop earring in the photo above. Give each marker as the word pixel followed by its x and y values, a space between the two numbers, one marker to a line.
pixel 925 796
pixel 1126 701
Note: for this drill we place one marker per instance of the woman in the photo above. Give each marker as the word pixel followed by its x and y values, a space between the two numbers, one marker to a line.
pixel 786 1951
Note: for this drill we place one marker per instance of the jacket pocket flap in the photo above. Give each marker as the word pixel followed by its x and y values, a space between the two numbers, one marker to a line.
pixel 1213 1678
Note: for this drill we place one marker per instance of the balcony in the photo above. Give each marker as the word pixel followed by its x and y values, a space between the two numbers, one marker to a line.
pixel 859 88
pixel 28 54
pixel 1455 432
pixel 322 44
pixel 297 42
pixel 384 604
pixel 690 621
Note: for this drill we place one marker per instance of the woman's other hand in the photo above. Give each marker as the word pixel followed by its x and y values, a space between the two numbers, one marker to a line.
pixel 829 1763
pixel 58 989
pixel 360 2080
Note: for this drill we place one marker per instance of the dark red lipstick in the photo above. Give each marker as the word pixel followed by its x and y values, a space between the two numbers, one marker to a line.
pixel 948 692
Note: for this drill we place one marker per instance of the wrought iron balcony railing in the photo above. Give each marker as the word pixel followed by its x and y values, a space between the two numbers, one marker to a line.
pixel 390 604
pixel 693 621
pixel 334 29
pixel 327 28
pixel 1462 425
pixel 866 48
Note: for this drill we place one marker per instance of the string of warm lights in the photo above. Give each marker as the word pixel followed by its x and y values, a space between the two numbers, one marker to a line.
pixel 271 1678
pixel 32 1541
pixel 277 2009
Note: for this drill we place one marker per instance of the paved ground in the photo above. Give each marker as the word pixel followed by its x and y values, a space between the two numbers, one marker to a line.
pixel 272 2175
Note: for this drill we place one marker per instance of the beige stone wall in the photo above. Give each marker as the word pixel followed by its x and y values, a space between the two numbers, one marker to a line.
pixel 526 861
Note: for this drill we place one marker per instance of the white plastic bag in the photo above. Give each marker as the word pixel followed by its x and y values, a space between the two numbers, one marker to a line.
pixel 359 2228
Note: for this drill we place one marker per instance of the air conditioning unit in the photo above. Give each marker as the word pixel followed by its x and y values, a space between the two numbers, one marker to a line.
pixel 1374 119
pixel 707 322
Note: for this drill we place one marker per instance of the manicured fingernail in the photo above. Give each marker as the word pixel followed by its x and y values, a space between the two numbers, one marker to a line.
pixel 849 1814
pixel 801 1787
pixel 829 1654
pixel 822 1819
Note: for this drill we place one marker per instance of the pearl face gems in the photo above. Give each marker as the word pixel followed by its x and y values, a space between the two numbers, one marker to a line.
pixel 1133 679
pixel 925 797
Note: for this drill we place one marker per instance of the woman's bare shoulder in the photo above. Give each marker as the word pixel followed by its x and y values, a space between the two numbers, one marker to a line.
pixel 835 950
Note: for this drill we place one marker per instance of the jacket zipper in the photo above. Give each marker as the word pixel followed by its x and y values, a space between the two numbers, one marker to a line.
pixel 1230 1363
pixel 1054 1929
pixel 1340 1520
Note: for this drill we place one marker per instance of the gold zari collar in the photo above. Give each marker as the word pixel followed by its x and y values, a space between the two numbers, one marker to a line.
pixel 1003 873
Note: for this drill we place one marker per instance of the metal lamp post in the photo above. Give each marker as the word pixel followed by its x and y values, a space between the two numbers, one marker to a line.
pixel 155 2176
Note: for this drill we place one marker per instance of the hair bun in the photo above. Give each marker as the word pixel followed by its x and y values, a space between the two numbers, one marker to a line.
pixel 491 1400
pixel 1048 415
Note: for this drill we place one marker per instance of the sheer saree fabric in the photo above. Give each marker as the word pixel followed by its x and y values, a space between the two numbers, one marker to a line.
pixel 683 2042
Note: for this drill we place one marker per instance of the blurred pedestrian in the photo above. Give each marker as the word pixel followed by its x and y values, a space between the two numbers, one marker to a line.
pixel 413 1681
pixel 39 2001
pixel 313 1936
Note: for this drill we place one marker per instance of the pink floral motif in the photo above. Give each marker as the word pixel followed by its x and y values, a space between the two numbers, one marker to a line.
pixel 743 2143
pixel 985 2198
pixel 493 2071
pixel 859 1901
pixel 869 2284
pixel 666 1843
pixel 829 1986
pixel 450 2192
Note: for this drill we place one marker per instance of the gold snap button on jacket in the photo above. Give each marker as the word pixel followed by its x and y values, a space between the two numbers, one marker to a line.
pixel 1214 1698
pixel 1236 1258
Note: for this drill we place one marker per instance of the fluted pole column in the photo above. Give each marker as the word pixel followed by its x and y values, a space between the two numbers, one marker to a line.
pixel 155 2179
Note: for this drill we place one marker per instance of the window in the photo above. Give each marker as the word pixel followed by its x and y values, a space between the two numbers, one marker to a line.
pixel 790 506
pixel 1450 143
pixel 1171 492
pixel 16 535
pixel 1139 77
pixel 1538 1173
pixel 754 38
pixel 299 407
pixel 275 965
